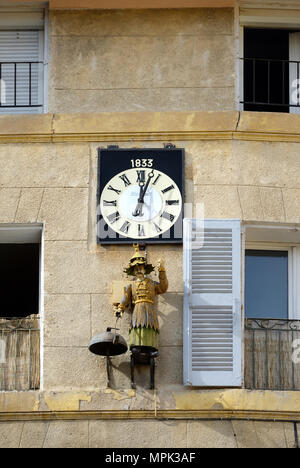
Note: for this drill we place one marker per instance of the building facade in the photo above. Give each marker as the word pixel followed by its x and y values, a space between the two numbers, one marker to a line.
pixel 218 79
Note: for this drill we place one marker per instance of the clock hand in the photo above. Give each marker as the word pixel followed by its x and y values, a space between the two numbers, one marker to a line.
pixel 139 210
pixel 139 207
pixel 150 176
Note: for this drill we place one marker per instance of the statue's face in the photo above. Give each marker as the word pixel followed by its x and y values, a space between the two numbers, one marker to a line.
pixel 139 271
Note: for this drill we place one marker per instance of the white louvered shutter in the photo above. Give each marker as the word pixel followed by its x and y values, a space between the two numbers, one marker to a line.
pixel 212 303
pixel 21 46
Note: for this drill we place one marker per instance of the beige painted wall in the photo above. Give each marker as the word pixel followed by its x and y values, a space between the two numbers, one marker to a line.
pixel 241 166
pixel 137 60
pixel 145 434
pixel 56 183
pixel 234 179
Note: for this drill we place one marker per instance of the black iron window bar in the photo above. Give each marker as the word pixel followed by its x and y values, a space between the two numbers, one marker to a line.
pixel 14 66
pixel 269 349
pixel 280 78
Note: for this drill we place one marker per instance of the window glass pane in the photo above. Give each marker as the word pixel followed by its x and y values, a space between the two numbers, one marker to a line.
pixel 266 70
pixel 19 277
pixel 21 71
pixel 266 284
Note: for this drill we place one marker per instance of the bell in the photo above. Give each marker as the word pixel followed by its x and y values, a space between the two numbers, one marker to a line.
pixel 108 344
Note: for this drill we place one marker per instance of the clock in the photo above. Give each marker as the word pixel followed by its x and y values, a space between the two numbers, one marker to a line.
pixel 140 195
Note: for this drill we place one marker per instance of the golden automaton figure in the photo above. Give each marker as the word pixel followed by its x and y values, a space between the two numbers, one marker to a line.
pixel 139 298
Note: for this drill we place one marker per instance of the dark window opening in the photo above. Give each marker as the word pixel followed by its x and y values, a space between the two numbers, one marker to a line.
pixel 266 284
pixel 19 279
pixel 266 70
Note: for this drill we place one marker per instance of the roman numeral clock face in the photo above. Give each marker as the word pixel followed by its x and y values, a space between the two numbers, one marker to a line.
pixel 141 202
pixel 140 195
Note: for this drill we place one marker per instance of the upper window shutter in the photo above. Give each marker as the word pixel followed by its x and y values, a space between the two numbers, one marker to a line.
pixel 212 303
pixel 269 17
pixel 27 19
pixel 21 46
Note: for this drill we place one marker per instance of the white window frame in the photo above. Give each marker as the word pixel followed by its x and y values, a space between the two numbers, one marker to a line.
pixel 293 250
pixel 269 18
pixel 26 234
pixel 44 50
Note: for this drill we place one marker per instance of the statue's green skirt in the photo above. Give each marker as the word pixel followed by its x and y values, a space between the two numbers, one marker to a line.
pixel 143 336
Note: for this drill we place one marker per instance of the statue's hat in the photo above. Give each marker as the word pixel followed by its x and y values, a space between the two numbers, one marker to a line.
pixel 139 258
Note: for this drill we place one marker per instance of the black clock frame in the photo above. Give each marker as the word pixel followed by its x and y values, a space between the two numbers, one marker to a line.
pixel 112 161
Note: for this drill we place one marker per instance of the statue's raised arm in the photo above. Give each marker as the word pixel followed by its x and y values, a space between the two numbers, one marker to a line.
pixel 162 286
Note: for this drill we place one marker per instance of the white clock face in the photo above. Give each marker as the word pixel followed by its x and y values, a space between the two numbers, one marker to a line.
pixel 141 203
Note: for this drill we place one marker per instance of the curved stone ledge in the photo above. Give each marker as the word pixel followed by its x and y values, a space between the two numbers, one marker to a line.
pixel 173 402
pixel 149 126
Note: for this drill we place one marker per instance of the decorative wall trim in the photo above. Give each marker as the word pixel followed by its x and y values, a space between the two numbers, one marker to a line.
pixel 165 414
pixel 153 136
pixel 271 137
pixel 144 136
pixel 25 139
pixel 150 126
pixel 117 4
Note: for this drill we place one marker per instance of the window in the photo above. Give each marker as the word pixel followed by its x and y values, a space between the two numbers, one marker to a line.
pixel 20 277
pixel 214 330
pixel 270 60
pixel 266 284
pixel 272 265
pixel 22 62
pixel 266 70
pixel 272 323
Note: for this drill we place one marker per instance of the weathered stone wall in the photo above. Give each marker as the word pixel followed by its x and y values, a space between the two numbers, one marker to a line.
pixel 133 434
pixel 233 174
pixel 239 165
pixel 133 60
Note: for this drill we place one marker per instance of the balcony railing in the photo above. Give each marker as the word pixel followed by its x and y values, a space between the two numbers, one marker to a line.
pixel 271 358
pixel 20 83
pixel 271 84
pixel 20 354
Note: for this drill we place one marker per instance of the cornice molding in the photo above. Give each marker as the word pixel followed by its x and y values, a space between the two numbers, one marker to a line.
pixel 143 136
pixel 268 137
pixel 140 4
pixel 150 415
pixel 150 126
pixel 153 136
